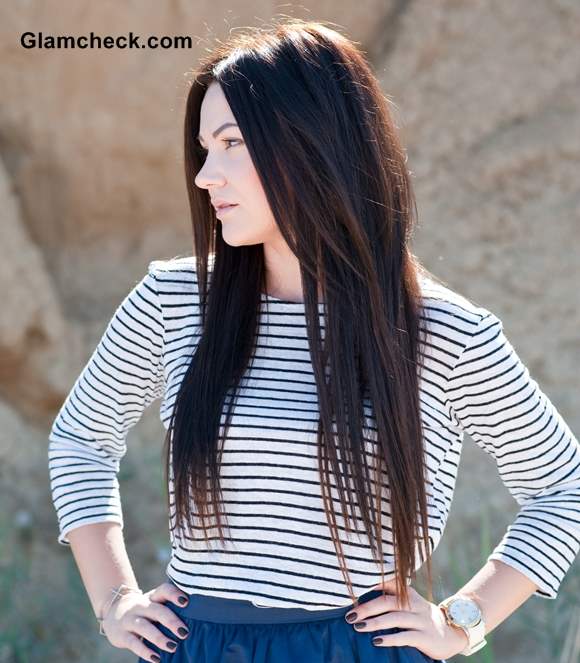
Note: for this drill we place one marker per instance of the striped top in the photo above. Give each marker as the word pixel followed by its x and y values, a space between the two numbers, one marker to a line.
pixel 282 553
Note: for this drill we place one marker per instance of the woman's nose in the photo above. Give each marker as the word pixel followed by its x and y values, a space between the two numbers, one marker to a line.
pixel 205 177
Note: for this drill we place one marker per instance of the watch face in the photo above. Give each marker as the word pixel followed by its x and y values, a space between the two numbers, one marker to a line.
pixel 464 612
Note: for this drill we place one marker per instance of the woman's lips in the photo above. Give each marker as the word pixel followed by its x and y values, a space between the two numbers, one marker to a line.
pixel 225 209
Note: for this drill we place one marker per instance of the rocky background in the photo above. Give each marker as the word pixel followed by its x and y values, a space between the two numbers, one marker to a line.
pixel 487 98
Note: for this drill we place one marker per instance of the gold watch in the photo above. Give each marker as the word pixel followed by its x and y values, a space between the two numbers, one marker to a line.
pixel 464 612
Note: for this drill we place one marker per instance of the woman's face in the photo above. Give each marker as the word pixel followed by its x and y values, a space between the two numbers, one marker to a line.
pixel 229 175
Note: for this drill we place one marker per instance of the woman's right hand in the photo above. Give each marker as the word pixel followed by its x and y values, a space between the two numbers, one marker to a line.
pixel 130 618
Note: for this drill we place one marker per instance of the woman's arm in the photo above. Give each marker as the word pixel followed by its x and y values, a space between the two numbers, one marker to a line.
pixel 100 554
pixel 488 588
pixel 124 375
pixel 423 625
pixel 495 400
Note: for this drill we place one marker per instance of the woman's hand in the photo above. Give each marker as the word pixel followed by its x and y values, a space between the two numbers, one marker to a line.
pixel 129 619
pixel 424 623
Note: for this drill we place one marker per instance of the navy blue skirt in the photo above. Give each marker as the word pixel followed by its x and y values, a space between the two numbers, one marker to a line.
pixel 223 630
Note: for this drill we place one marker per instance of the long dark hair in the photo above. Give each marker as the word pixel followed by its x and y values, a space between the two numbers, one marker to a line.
pixel 322 140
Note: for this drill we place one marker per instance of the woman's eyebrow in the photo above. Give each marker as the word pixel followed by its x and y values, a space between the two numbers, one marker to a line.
pixel 225 125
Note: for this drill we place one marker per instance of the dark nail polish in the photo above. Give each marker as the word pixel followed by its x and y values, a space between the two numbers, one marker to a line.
pixel 360 625
pixel 155 658
pixel 350 617
pixel 171 645
pixel 377 641
pixel 182 631
pixel 182 600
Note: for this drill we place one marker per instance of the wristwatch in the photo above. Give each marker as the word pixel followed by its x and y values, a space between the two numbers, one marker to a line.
pixel 463 611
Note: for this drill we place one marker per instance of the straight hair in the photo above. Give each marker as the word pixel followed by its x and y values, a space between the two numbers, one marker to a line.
pixel 325 147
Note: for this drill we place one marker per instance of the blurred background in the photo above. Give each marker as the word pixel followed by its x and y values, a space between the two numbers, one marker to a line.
pixel 487 100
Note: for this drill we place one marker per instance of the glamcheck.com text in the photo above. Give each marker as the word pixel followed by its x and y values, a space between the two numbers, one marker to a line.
pixel 40 40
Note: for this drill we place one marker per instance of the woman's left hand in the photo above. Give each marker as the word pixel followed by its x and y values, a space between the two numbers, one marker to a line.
pixel 424 623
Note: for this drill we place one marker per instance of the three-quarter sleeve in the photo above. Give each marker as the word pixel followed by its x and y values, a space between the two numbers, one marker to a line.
pixel 493 398
pixel 123 376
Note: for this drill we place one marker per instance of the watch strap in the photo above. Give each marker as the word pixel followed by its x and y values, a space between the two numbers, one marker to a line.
pixel 475 634
pixel 476 638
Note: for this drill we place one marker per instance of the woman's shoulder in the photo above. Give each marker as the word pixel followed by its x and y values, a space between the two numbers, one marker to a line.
pixel 450 313
pixel 177 273
pixel 177 265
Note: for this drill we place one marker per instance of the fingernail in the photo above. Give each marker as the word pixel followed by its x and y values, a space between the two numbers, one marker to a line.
pixel 182 600
pixel 377 641
pixel 171 645
pixel 350 617
pixel 155 658
pixel 182 631
pixel 360 625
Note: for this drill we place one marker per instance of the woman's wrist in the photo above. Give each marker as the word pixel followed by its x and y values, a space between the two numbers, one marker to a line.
pixel 117 593
pixel 458 636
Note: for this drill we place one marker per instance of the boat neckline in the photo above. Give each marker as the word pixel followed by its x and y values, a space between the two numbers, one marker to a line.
pixel 276 300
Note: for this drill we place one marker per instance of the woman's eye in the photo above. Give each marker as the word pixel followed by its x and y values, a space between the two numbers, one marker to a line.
pixel 202 151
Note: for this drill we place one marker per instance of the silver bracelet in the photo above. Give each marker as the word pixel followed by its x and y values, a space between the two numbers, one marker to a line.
pixel 121 590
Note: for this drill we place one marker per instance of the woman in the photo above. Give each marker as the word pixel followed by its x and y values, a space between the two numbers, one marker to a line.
pixel 316 383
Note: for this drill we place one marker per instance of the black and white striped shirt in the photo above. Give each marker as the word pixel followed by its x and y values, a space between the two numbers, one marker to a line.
pixel 282 554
